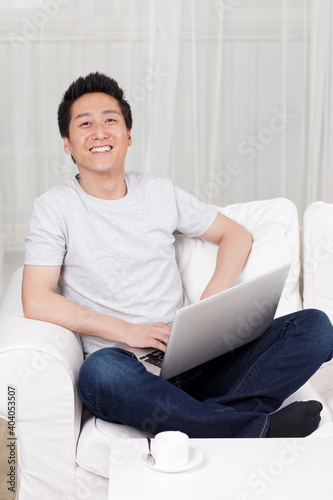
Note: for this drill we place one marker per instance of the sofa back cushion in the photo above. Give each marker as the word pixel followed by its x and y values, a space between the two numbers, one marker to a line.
pixel 318 257
pixel 275 230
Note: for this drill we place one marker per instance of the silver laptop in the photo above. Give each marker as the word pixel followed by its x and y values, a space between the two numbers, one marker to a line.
pixel 216 325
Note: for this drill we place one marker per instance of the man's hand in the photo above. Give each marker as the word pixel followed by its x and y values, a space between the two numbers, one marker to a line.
pixel 150 335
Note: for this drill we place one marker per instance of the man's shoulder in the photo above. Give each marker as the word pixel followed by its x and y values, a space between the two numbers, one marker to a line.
pixel 56 193
pixel 144 179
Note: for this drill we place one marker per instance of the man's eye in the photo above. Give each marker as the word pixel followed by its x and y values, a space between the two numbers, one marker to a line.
pixel 84 124
pixel 109 120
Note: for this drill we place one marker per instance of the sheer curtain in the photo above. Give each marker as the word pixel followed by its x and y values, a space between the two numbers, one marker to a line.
pixel 231 98
pixel 319 164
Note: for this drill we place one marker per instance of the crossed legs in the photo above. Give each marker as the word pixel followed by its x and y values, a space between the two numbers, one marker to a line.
pixel 231 396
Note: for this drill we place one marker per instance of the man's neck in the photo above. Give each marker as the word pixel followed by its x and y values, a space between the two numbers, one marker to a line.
pixel 106 186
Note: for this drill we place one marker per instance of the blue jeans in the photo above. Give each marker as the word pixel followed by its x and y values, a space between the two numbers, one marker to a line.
pixel 230 396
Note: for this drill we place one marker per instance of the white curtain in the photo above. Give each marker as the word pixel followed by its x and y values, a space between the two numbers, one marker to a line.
pixel 231 98
pixel 319 157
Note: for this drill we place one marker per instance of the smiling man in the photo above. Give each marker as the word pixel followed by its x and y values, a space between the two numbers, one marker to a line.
pixel 98 140
pixel 100 261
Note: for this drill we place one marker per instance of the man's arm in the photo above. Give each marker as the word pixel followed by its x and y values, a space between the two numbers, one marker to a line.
pixel 235 244
pixel 40 301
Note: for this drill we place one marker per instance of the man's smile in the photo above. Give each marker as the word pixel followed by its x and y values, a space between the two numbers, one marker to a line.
pixel 101 149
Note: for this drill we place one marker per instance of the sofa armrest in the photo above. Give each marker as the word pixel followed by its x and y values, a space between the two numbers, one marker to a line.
pixel 11 303
pixel 317 279
pixel 40 361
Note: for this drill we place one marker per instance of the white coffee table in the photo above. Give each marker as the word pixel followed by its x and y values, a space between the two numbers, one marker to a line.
pixel 232 469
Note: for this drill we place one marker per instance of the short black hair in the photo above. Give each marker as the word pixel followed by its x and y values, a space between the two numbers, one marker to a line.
pixel 94 82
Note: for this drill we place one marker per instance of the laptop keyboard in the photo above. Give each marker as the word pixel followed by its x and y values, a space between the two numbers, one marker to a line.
pixel 153 358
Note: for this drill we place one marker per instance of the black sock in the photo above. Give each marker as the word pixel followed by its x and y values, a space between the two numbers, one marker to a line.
pixel 299 419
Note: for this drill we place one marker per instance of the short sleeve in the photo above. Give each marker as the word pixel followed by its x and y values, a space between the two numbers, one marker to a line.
pixel 194 216
pixel 45 243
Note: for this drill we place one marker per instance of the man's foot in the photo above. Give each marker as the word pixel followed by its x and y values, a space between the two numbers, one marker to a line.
pixel 299 419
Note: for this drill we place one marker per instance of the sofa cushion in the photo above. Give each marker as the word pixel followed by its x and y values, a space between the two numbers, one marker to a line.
pixel 275 230
pixel 94 445
pixel 318 257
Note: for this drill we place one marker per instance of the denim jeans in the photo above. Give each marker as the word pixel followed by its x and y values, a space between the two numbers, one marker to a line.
pixel 230 396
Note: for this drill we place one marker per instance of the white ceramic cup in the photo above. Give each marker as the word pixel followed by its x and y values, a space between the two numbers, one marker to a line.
pixel 171 448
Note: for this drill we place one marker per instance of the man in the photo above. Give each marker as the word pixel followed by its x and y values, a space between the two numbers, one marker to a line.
pixel 100 261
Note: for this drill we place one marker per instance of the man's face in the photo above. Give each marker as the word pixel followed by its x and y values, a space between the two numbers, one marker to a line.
pixel 98 137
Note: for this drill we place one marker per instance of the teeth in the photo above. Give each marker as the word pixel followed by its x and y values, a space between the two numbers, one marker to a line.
pixel 101 149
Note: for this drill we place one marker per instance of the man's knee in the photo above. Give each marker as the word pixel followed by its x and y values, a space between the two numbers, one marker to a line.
pixel 102 368
pixel 318 327
pixel 103 380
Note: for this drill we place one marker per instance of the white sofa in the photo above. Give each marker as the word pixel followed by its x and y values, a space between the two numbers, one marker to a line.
pixel 64 452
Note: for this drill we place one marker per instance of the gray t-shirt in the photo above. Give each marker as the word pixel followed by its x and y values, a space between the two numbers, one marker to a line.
pixel 117 256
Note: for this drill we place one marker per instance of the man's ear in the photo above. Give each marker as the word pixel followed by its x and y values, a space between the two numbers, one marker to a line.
pixel 129 137
pixel 66 145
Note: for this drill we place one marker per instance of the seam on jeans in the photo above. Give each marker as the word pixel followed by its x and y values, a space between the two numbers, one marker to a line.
pixel 253 366
pixel 263 354
pixel 99 402
pixel 223 409
pixel 265 427
pixel 84 399
pixel 86 394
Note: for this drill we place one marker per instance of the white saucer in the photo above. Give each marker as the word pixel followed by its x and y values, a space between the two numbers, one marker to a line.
pixel 195 458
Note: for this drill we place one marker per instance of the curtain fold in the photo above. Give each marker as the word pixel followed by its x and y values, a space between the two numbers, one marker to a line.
pixel 320 137
pixel 162 74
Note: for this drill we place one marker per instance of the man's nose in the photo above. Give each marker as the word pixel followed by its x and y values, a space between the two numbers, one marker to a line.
pixel 100 132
